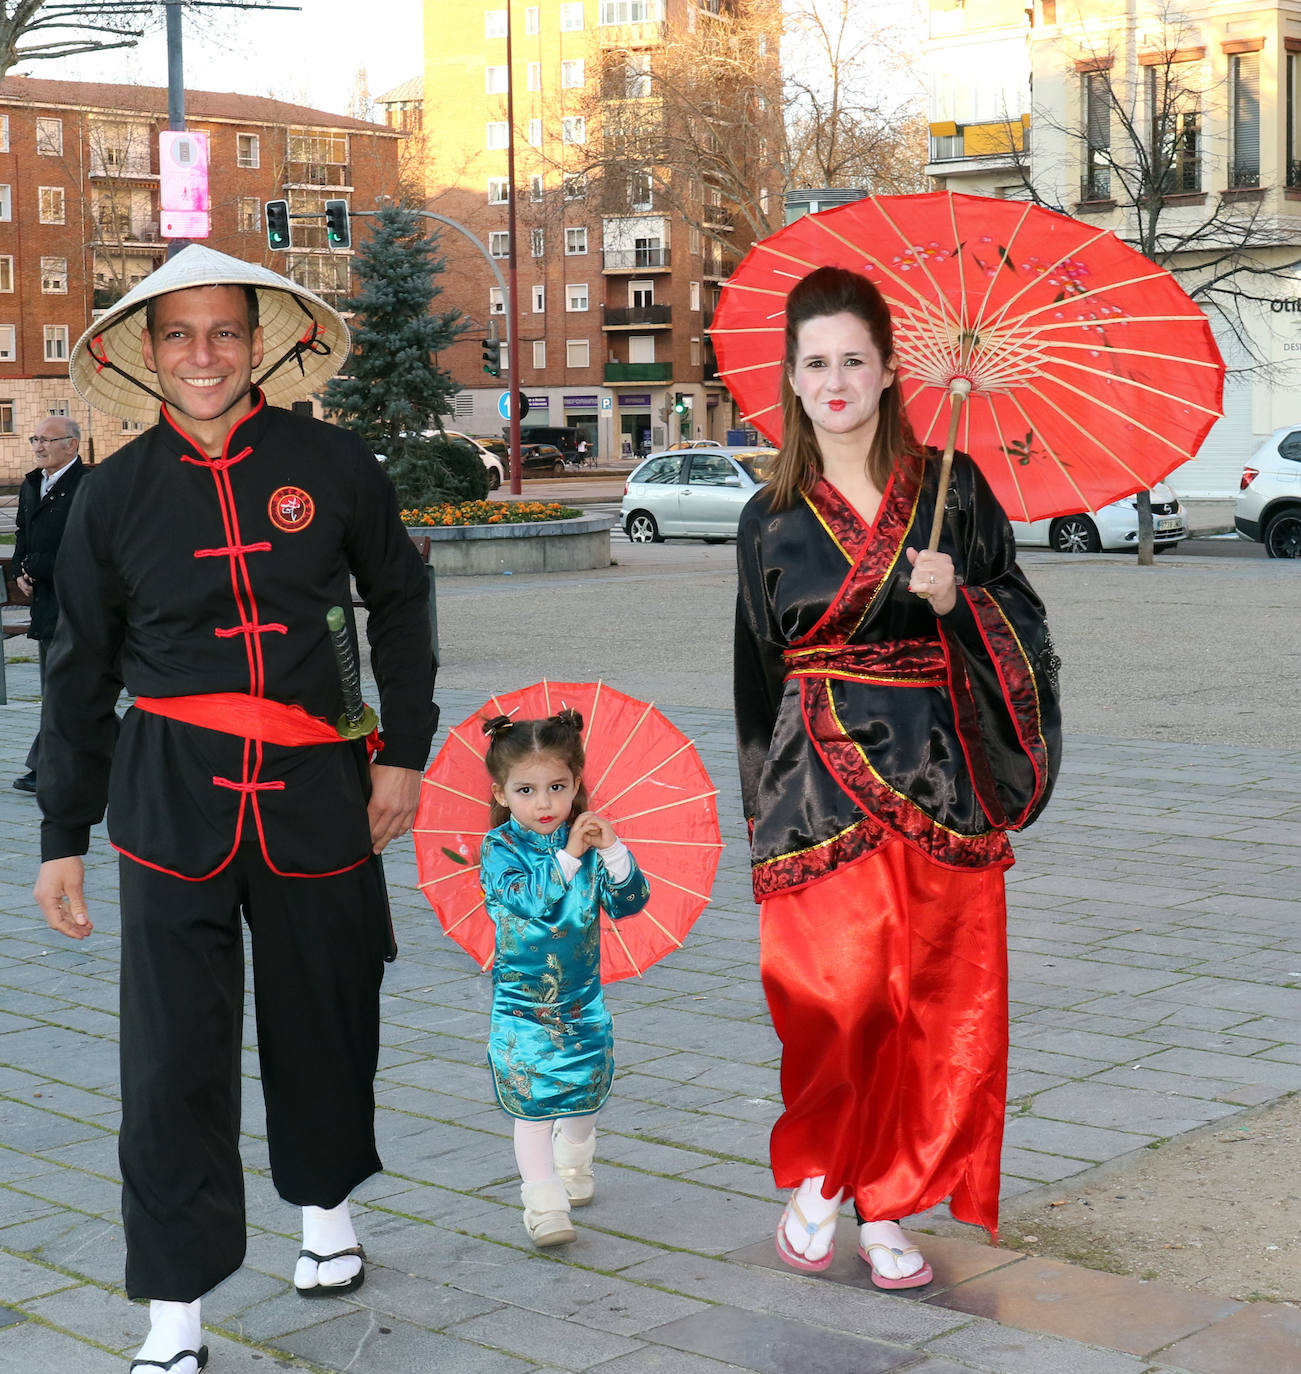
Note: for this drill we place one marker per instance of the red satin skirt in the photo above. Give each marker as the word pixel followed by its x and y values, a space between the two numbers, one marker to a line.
pixel 887 984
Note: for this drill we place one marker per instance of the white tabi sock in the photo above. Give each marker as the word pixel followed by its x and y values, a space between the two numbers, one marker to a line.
pixel 326 1231
pixel 173 1327
pixel 816 1209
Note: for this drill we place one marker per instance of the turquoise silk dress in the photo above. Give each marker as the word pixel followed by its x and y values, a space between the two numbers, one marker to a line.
pixel 550 1042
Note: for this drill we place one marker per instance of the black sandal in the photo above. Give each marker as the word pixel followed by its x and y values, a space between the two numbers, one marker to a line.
pixel 201 1355
pixel 333 1290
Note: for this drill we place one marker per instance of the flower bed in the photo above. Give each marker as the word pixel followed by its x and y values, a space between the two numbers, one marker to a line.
pixel 488 513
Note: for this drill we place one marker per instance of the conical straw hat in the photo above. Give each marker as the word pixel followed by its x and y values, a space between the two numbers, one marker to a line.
pixel 304 340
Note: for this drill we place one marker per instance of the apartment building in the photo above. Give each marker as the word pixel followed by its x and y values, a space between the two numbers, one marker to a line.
pixel 1179 130
pixel 616 283
pixel 79 218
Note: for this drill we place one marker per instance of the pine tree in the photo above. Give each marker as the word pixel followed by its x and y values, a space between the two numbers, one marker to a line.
pixel 393 392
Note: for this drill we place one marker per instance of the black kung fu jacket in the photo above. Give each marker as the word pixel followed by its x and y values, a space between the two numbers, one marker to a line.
pixel 181 574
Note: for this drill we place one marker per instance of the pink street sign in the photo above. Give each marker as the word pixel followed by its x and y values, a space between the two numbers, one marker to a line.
pixel 183 189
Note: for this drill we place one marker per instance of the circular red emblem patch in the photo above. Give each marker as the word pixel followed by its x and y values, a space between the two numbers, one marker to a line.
pixel 291 509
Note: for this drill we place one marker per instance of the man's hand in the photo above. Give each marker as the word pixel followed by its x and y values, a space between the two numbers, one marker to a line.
pixel 61 898
pixel 395 793
pixel 24 584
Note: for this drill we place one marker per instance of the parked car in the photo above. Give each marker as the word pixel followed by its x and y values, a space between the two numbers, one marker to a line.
pixel 1113 527
pixel 542 458
pixel 496 466
pixel 695 493
pixel 564 437
pixel 1268 506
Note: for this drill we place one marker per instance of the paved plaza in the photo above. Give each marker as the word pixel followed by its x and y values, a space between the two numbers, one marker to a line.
pixel 1155 931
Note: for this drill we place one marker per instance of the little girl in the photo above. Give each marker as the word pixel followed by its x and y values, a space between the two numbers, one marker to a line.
pixel 547 869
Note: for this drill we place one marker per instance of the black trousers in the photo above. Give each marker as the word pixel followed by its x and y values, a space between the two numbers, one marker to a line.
pixel 34 753
pixel 318 946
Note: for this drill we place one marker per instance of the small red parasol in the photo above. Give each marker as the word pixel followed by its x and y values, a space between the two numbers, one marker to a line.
pixel 642 773
pixel 1070 367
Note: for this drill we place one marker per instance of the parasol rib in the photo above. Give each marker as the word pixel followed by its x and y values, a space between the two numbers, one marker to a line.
pixel 1216 411
pixel 668 806
pixel 460 739
pixel 631 840
pixel 668 882
pixel 754 414
pixel 448 877
pixel 1125 415
pixel 667 934
pixel 1061 467
pixel 1006 452
pixel 591 715
pixel 460 920
pixel 1033 281
pixel 608 802
pixel 627 740
pixel 443 787
pixel 623 945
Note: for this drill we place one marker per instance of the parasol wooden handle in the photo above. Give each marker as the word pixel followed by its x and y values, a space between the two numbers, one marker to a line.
pixel 959 390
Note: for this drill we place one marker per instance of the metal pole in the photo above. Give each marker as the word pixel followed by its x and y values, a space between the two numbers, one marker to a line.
pixel 175 90
pixel 512 304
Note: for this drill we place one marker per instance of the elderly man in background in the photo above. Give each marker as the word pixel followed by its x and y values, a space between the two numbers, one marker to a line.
pixel 44 501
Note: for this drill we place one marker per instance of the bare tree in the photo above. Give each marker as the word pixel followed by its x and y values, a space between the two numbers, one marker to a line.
pixel 33 30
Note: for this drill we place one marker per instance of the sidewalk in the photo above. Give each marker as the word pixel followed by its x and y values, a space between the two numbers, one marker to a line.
pixel 1154 933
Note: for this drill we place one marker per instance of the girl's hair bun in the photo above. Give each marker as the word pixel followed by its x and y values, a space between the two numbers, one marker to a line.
pixel 569 717
pixel 496 725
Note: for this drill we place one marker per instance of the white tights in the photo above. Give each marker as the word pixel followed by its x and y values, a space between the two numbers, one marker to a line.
pixel 533 1149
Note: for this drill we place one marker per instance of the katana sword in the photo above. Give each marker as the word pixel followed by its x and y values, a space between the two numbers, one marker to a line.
pixel 357 722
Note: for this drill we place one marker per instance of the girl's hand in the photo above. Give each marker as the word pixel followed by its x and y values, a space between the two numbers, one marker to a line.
pixel 589 831
pixel 933 579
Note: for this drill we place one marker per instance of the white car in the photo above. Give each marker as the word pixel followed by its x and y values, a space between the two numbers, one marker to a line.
pixel 1113 527
pixel 496 472
pixel 1268 506
pixel 691 493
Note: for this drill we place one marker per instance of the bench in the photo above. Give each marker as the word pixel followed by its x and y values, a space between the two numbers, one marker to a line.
pixel 11 596
pixel 422 542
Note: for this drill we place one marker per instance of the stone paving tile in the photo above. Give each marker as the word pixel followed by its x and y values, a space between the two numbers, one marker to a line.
pixel 1272 1335
pixel 30 1347
pixel 544 1340
pixel 360 1344
pixel 1004 1350
pixel 656 1359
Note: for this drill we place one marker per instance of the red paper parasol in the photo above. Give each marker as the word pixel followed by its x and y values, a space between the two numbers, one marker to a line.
pixel 1087 372
pixel 642 773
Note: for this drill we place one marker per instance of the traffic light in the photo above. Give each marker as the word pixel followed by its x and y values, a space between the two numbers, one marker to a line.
pixel 277 213
pixel 337 228
pixel 491 357
pixel 680 404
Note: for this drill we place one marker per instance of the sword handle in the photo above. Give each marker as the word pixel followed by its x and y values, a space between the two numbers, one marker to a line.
pixel 358 719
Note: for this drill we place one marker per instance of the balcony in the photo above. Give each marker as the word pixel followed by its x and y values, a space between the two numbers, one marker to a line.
pixel 719 219
pixel 638 316
pixel 718 266
pixel 635 260
pixel 638 372
pixel 331 175
pixel 133 169
pixel 123 234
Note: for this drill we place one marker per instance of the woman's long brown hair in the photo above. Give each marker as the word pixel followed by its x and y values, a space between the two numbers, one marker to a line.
pixel 835 291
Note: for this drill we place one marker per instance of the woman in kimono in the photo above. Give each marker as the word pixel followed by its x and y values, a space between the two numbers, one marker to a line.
pixel 548 868
pixel 896 713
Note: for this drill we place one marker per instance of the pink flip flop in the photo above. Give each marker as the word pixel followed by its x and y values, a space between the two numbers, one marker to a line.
pixel 793 1257
pixel 918 1280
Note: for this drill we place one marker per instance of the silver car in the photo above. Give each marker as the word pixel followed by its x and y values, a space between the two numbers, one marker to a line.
pixel 1113 527
pixel 691 493
pixel 1268 506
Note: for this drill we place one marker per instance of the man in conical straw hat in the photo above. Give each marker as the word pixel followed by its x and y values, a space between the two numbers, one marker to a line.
pixel 196 571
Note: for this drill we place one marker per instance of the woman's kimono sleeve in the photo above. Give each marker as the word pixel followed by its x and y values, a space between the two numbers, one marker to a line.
pixel 528 888
pixel 625 898
pixel 1002 668
pixel 758 668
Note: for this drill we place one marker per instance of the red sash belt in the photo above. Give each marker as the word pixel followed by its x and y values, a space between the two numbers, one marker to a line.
pixel 903 663
pixel 249 717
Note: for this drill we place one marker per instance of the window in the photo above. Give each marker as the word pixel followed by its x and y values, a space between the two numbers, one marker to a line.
pixel 498 134
pixel 49 136
pixel 695 352
pixel 632 78
pixel 535 136
pixel 1096 183
pixel 573 129
pixel 494 23
pixel 663 471
pixel 496 301
pixel 539 300
pixel 250 214
pixel 51 204
pixel 537 242
pixel 693 241
pixel 6 273
pixel 4 133
pixel 575 296
pixel 693 289
pixel 54 276
pixel 59 406
pixel 539 354
pixel 7 417
pixel 575 242
pixel 641 294
pixel 640 191
pixel 531 20
pixel 535 76
pixel 1293 118
pixel 248 150
pixel 56 343
pixel 713 470
pixel 1244 116
pixel 573 74
pixel 499 244
pixel 8 343
pixel 575 186
pixel 571 18
pixel 496 80
pixel 498 190
pixel 577 353
pixel 537 186
pixel 632 11
pixel 1175 118
pixel 6 203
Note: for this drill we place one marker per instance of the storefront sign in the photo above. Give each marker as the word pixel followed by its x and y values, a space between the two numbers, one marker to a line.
pixel 635 400
pixel 580 402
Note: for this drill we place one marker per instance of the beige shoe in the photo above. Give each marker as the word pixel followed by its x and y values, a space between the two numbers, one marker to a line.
pixel 574 1166
pixel 546 1212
